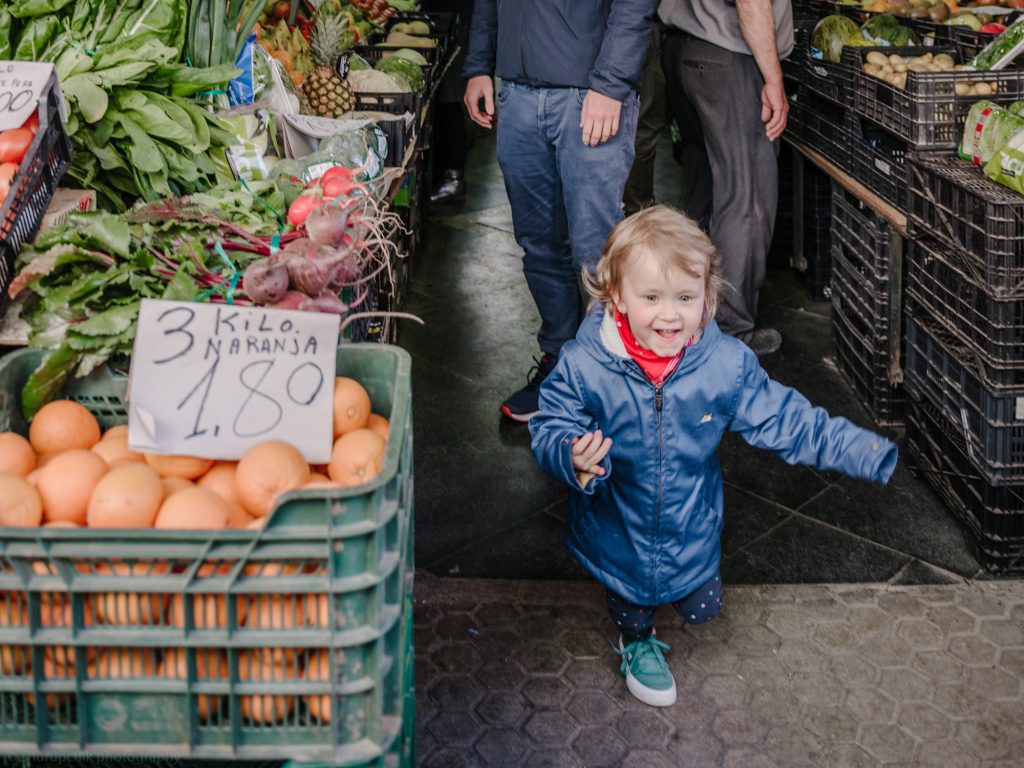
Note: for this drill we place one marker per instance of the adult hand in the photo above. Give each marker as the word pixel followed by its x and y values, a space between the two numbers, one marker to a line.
pixel 599 118
pixel 774 108
pixel 477 88
pixel 588 451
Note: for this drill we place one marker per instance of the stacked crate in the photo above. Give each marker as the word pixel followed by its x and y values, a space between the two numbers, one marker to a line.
pixel 965 350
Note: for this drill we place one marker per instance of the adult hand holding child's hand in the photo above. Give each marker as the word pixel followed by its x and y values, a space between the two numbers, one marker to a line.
pixel 588 451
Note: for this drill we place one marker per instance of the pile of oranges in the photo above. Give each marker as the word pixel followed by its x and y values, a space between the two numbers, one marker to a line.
pixel 69 474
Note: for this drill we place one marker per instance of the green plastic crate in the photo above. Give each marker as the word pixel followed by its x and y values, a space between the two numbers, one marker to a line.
pixel 93 617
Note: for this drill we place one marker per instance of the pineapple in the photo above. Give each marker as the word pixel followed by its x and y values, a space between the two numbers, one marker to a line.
pixel 327 94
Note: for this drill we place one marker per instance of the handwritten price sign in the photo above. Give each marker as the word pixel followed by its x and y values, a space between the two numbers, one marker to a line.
pixel 213 380
pixel 21 83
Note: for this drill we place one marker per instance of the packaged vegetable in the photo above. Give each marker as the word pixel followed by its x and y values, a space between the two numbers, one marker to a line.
pixel 1004 49
pixel 1007 165
pixel 987 128
pixel 404 69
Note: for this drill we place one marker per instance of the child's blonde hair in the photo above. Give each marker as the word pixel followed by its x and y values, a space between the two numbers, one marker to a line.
pixel 673 238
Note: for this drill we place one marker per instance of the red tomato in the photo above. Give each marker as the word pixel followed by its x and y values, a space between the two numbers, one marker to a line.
pixel 282 9
pixel 14 143
pixel 7 173
pixel 32 123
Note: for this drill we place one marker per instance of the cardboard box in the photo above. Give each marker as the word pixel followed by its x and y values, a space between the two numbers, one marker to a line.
pixel 65 201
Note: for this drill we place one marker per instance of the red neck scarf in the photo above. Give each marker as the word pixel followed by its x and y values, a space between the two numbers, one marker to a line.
pixel 656 367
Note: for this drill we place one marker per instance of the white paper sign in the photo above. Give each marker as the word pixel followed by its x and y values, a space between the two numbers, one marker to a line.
pixel 213 380
pixel 21 84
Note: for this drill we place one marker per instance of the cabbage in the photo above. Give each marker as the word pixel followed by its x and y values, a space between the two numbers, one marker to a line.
pixel 831 33
pixel 357 62
pixel 402 68
pixel 408 53
pixel 885 29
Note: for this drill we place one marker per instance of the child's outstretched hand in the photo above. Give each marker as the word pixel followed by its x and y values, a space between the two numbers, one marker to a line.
pixel 588 451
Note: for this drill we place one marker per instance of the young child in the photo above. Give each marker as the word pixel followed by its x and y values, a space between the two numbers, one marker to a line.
pixel 631 417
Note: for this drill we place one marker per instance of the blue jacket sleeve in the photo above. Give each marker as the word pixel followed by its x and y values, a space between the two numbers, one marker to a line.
pixel 563 416
pixel 482 47
pixel 627 37
pixel 777 418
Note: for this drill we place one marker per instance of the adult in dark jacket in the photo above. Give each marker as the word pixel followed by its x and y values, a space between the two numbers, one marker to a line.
pixel 568 108
pixel 632 416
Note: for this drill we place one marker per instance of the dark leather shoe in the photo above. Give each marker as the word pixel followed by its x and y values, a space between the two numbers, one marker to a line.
pixel 452 189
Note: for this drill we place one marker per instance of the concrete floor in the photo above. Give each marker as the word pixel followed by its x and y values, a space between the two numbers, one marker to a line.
pixel 483 508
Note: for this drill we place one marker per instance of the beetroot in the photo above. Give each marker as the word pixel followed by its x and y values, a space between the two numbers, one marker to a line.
pixel 327 225
pixel 292 300
pixel 265 281
pixel 328 302
pixel 347 268
pixel 308 275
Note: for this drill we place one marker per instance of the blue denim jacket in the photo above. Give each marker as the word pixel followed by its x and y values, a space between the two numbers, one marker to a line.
pixel 591 44
pixel 649 528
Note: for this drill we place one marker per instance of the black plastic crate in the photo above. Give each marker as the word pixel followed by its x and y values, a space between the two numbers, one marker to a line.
pixel 993 516
pixel 927 113
pixel 395 103
pixel 816 237
pixel 832 81
pixel 813 9
pixel 794 64
pixel 878 161
pixel 375 53
pixel 820 125
pixel 864 238
pixel 22 211
pixel 399 134
pixel 952 199
pixel 863 342
pixel 943 371
pixel 940 282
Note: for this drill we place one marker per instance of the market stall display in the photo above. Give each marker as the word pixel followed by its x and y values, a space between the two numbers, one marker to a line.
pixel 238 155
pixel 925 144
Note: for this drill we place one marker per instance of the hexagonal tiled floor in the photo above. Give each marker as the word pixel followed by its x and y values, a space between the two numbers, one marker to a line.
pixel 787 676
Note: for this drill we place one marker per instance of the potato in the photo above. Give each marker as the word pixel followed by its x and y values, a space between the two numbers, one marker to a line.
pixel 894 60
pixel 900 80
pixel 982 89
pixel 886 72
pixel 962 89
pixel 901 67
pixel 872 70
pixel 945 61
pixel 876 58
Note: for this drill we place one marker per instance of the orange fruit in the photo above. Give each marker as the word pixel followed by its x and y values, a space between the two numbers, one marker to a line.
pixel 129 608
pixel 66 484
pixel 266 665
pixel 357 457
pixel 20 505
pixel 319 668
pixel 189 467
pixel 172 485
pixel 379 424
pixel 351 405
pixel 113 448
pixel 193 509
pixel 209 611
pixel 211 664
pixel 266 471
pixel 123 662
pixel 116 431
pixel 220 479
pixel 128 496
pixel 16 455
pixel 61 425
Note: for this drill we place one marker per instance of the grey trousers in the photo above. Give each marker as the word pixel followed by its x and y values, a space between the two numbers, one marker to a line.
pixel 730 169
pixel 639 191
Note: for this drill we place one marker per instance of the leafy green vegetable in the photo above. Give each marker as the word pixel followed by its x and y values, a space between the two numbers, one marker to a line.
pixel 1001 47
pixel 6 34
pixel 24 8
pixel 397 67
pixel 36 37
pixel 831 33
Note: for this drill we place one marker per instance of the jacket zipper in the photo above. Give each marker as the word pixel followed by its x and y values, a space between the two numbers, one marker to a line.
pixel 657 518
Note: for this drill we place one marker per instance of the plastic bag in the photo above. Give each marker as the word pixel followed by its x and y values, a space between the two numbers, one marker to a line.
pixel 987 128
pixel 1007 165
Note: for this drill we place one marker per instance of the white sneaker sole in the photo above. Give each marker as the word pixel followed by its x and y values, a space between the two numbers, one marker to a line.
pixel 650 696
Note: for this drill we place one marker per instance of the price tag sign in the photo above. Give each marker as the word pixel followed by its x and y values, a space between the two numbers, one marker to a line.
pixel 213 380
pixel 21 84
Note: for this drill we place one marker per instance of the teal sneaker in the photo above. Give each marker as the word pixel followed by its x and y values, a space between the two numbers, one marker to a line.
pixel 647 674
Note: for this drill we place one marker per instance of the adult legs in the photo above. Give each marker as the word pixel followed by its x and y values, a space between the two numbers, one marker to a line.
pixel 640 184
pixel 724 90
pixel 527 160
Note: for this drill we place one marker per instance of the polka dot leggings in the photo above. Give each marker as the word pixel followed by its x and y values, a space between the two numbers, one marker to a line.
pixel 636 621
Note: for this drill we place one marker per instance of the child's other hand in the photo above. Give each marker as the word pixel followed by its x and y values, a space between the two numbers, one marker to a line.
pixel 588 451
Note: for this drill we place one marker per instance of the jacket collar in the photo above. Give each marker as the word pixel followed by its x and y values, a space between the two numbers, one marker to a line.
pixel 599 336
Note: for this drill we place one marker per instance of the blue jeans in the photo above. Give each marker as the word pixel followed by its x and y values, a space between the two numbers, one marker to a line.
pixel 566 197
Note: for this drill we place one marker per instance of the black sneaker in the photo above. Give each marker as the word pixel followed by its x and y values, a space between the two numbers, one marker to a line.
pixel 764 341
pixel 526 402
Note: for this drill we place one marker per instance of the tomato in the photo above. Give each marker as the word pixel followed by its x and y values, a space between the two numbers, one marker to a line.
pixel 14 143
pixel 7 174
pixel 299 210
pixel 32 123
pixel 282 9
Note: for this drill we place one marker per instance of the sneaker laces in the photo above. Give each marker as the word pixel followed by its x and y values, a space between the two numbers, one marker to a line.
pixel 538 372
pixel 644 656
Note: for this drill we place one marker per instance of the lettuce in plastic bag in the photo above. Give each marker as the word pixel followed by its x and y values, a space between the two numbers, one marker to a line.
pixel 1007 165
pixel 987 128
